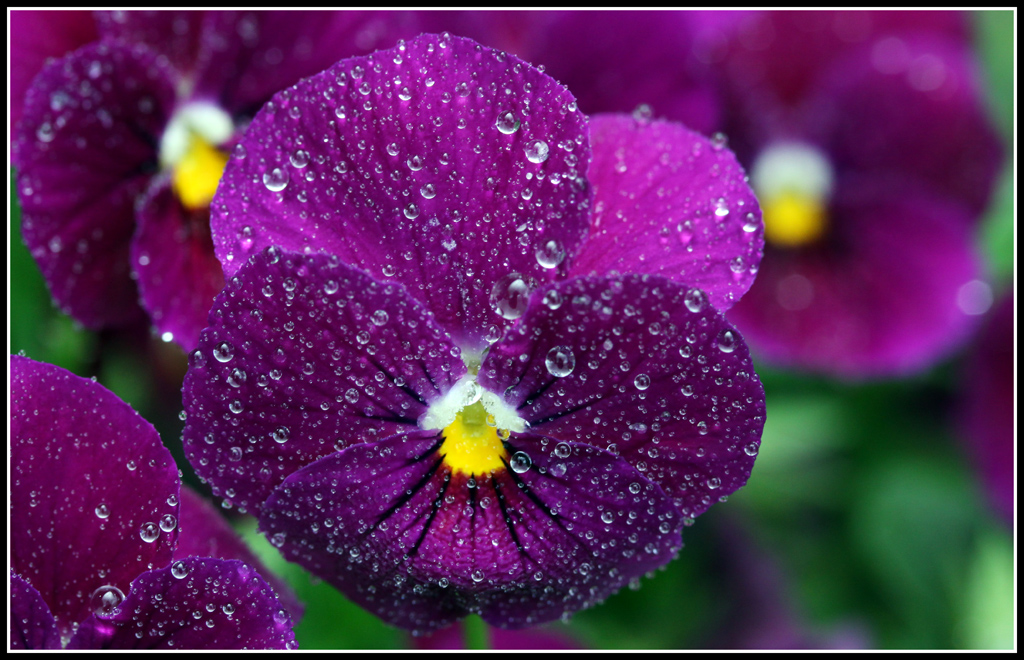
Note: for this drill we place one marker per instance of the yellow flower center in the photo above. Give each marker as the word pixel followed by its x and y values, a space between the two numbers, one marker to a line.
pixel 473 443
pixel 793 182
pixel 198 172
pixel 792 219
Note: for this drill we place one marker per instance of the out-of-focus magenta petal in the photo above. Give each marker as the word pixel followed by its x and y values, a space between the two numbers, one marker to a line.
pixel 85 150
pixel 451 168
pixel 93 490
pixel 538 639
pixel 987 414
pixel 420 546
pixel 36 36
pixel 907 111
pixel 670 202
pixel 644 368
pixel 883 298
pixel 174 34
pixel 305 356
pixel 193 604
pixel 32 624
pixel 203 532
pixel 244 57
pixel 172 256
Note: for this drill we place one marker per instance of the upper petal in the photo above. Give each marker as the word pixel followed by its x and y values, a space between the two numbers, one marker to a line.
pixel 32 623
pixel 304 356
pixel 671 202
pixel 172 33
pixel 452 168
pixel 196 604
pixel 93 490
pixel 643 367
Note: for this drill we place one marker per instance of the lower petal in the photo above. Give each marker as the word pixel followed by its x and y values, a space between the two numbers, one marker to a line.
pixel 32 623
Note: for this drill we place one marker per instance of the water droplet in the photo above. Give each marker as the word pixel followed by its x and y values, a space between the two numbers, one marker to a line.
pixel 562 450
pixel 642 381
pixel 507 123
pixel 236 378
pixel 105 600
pixel 411 211
pixel 179 569
pixel 520 462
pixel 718 141
pixel 380 317
pixel 727 341
pixel 550 254
pixel 477 576
pixel 223 351
pixel 168 522
pixel 607 517
pixel 276 179
pixel 537 151
pixel 300 158
pixel 560 361
pixel 714 483
pixel 428 191
pixel 103 511
pixel 509 296
pixel 695 300
pixel 280 434
pixel 149 532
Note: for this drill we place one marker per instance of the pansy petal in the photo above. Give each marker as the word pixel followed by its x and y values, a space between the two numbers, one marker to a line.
pixel 172 33
pixel 910 110
pixel 670 202
pixel 37 35
pixel 304 356
pixel 193 604
pixel 204 532
pixel 85 150
pixel 247 56
pixel 32 623
pixel 887 302
pixel 452 168
pixel 392 527
pixel 92 489
pixel 178 273
pixel 643 367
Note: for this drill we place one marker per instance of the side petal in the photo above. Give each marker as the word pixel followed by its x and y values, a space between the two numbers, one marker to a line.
pixel 172 33
pixel 670 202
pixel 172 255
pixel 32 623
pixel 392 527
pixel 641 367
pixel 193 604
pixel 454 169
pixel 304 356
pixel 85 150
pixel 203 532
pixel 93 490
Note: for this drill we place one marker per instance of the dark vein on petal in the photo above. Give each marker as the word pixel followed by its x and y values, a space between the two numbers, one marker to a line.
pixel 430 519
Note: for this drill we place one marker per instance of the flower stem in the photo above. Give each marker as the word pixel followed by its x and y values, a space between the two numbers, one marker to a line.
pixel 475 633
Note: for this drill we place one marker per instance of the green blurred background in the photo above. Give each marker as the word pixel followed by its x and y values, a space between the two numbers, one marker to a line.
pixel 862 524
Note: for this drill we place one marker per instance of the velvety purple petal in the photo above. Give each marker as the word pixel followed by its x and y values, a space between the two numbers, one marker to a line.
pixel 172 255
pixel 395 530
pixel 86 148
pixel 36 36
pixel 644 368
pixel 174 34
pixel 415 164
pixel 880 300
pixel 670 202
pixel 203 532
pixel 910 110
pixel 246 57
pixel 32 623
pixel 193 604
pixel 305 356
pixel 987 413
pixel 93 491
pixel 613 61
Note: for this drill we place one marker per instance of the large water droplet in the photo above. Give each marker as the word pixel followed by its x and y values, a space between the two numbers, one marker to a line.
pixel 727 341
pixel 537 151
pixel 149 532
pixel 276 179
pixel 560 361
pixel 105 600
pixel 550 254
pixel 507 123
pixel 223 351
pixel 509 296
pixel 520 462
pixel 695 300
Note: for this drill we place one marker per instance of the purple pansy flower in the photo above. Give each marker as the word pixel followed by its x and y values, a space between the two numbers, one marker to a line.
pixel 94 524
pixel 469 357
pixel 867 141
pixel 123 141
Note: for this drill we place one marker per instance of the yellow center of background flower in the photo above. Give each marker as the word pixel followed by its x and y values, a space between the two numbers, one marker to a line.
pixel 471 444
pixel 792 219
pixel 793 182
pixel 197 174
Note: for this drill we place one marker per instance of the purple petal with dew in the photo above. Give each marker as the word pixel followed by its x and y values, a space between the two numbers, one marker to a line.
pixel 670 202
pixel 305 356
pixel 644 368
pixel 174 34
pixel 247 56
pixel 889 295
pixel 172 255
pixel 32 623
pixel 93 490
pixel 986 417
pixel 454 169
pixel 910 110
pixel 194 604
pixel 420 547
pixel 85 150
pixel 204 532
pixel 36 36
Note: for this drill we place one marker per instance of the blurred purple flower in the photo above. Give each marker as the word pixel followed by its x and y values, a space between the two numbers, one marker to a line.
pixel 867 142
pixel 94 524
pixel 452 638
pixel 987 412
pixel 463 406
pixel 123 141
